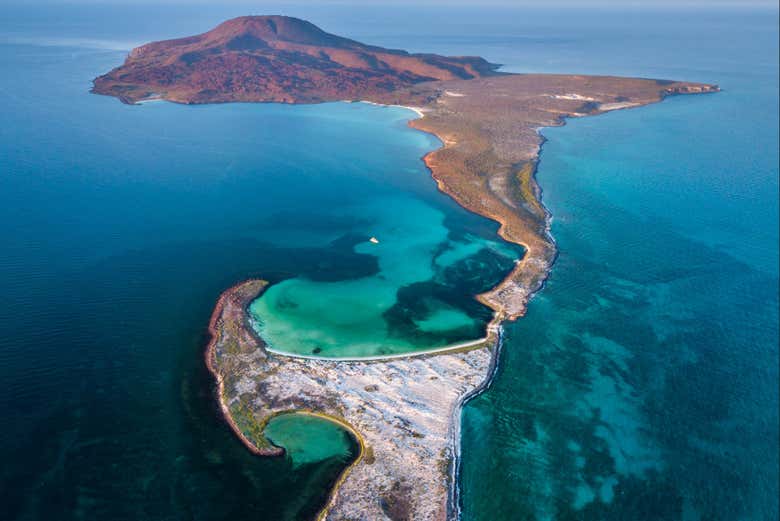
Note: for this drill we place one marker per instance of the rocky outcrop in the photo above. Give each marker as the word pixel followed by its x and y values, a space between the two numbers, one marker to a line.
pixel 274 58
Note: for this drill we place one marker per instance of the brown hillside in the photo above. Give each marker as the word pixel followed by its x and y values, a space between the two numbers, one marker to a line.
pixel 275 58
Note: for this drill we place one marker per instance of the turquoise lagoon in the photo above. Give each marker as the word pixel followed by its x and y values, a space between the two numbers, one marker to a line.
pixel 308 439
pixel 416 249
pixel 370 316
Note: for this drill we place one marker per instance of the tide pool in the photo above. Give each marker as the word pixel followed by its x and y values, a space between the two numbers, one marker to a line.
pixel 310 439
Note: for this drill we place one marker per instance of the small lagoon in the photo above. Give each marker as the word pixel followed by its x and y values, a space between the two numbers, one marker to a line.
pixel 309 439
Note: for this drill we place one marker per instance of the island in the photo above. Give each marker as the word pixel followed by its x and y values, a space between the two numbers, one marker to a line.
pixel 403 409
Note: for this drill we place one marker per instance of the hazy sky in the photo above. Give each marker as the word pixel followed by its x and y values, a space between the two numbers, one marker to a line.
pixel 519 3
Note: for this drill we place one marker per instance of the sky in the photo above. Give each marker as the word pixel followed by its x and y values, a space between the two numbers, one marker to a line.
pixel 519 3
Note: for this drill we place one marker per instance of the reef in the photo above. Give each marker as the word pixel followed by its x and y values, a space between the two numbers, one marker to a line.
pixel 405 411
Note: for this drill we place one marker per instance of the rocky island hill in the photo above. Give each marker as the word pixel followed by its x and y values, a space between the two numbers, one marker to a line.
pixel 488 121
pixel 275 58
pixel 405 411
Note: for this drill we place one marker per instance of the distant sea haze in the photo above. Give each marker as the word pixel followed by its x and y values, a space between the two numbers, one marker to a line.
pixel 79 43
pixel 642 384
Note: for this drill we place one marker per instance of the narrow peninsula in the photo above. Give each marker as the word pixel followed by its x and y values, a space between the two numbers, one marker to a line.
pixel 404 411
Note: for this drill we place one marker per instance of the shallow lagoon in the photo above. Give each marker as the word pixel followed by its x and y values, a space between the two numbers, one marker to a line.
pixel 307 438
pixel 368 316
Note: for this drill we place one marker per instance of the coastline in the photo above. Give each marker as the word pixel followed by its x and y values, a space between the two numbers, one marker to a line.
pixel 522 263
pixel 210 354
pixel 400 410
pixel 454 509
pixel 453 498
pixel 416 110
pixel 528 226
pixel 322 513
pixel 453 348
pixel 454 490
pixel 487 164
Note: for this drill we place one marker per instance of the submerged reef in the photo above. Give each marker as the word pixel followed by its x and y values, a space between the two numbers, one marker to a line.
pixel 404 411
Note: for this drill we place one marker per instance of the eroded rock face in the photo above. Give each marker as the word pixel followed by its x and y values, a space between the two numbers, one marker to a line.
pixel 274 58
pixel 406 412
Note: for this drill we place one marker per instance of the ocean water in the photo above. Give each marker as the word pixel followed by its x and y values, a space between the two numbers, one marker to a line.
pixel 642 384
pixel 122 225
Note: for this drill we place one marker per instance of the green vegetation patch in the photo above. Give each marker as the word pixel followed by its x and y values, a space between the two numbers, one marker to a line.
pixel 249 425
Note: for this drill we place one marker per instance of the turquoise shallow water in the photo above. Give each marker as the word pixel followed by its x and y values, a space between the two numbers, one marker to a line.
pixel 367 316
pixel 310 439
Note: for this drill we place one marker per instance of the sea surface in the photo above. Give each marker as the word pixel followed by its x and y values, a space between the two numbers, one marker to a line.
pixel 642 384
pixel 121 227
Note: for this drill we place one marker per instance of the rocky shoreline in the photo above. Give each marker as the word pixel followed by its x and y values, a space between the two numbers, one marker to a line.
pixel 489 128
pixel 401 410
pixel 405 445
pixel 405 410
pixel 216 331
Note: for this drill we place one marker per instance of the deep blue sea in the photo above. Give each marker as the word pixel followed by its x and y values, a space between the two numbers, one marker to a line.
pixel 641 385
